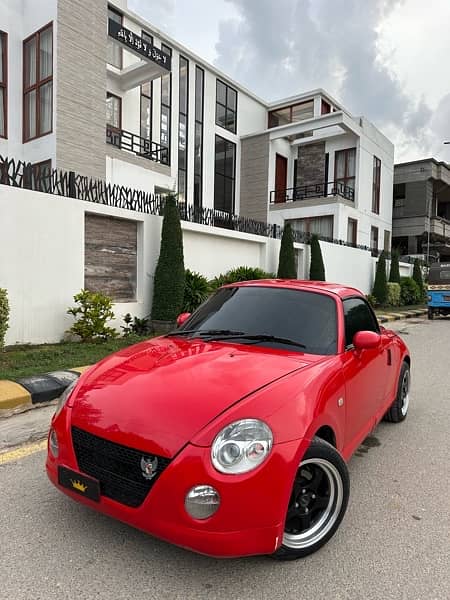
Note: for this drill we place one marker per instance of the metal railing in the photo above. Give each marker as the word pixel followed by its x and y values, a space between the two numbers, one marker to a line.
pixel 314 190
pixel 131 142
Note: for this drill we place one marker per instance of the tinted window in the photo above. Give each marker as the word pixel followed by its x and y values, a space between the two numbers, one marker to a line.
pixel 358 317
pixel 305 317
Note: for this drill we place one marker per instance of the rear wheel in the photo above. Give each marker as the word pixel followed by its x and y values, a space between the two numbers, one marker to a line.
pixel 399 408
pixel 430 314
pixel 318 501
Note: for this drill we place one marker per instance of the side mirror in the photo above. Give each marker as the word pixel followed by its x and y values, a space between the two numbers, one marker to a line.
pixel 182 318
pixel 366 340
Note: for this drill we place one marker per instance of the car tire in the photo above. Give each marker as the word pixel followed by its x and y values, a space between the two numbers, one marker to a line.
pixel 399 408
pixel 430 314
pixel 317 503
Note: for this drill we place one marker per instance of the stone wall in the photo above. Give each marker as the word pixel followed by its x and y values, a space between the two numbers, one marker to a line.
pixel 311 164
pixel 254 177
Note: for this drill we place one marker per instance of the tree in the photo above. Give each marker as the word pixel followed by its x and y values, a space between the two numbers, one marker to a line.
pixel 417 276
pixel 317 269
pixel 380 288
pixel 394 274
pixel 168 288
pixel 286 259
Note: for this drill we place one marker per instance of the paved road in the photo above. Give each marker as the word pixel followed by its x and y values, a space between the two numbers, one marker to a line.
pixel 394 541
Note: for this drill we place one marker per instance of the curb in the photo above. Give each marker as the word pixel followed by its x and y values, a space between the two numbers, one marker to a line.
pixel 25 392
pixel 386 318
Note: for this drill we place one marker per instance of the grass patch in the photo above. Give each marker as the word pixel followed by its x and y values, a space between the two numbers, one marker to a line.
pixel 20 361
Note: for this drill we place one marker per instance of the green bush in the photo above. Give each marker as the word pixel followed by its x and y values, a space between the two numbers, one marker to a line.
pixel 417 276
pixel 93 311
pixel 394 274
pixel 136 326
pixel 393 295
pixel 317 268
pixel 239 274
pixel 286 259
pixel 380 289
pixel 410 292
pixel 168 291
pixel 4 316
pixel 372 300
pixel 196 290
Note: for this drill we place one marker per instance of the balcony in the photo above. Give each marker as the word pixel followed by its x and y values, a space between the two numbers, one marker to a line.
pixel 131 142
pixel 315 190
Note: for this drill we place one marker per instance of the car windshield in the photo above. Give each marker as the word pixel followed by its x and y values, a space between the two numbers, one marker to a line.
pixel 307 318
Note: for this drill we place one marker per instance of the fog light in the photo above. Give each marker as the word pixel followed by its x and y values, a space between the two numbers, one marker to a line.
pixel 202 501
pixel 53 443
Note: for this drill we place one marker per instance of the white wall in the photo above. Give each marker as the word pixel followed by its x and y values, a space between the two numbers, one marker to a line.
pixel 42 259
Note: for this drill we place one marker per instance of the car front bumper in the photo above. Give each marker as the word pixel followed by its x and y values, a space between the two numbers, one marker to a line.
pixel 249 520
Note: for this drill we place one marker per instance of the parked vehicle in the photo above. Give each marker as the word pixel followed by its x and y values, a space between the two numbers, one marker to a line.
pixel 230 435
pixel 439 289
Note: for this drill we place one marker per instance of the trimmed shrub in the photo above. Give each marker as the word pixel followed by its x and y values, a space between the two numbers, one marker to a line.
pixel 372 300
pixel 196 290
pixel 239 274
pixel 393 295
pixel 394 274
pixel 410 292
pixel 93 311
pixel 4 316
pixel 286 259
pixel 417 276
pixel 317 268
pixel 380 289
pixel 168 291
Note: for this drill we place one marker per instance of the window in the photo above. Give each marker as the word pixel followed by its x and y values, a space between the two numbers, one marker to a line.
pixel 3 84
pixel 113 111
pixel 38 84
pixel 226 106
pixel 146 101
pixel 352 231
pixel 374 240
pixel 183 128
pixel 198 143
pixel 325 107
pixel 345 168
pixel 224 174
pixel 376 185
pixel 399 195
pixel 295 171
pixel 387 240
pixel 358 317
pixel 113 50
pixel 291 114
pixel 166 105
pixel 322 226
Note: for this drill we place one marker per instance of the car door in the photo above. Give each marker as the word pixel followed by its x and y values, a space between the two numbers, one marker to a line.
pixel 365 372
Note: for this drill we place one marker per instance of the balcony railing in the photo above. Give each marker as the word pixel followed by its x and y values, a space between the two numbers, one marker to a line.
pixel 131 142
pixel 315 190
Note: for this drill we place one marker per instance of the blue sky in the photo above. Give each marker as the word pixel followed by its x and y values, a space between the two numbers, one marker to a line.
pixel 385 59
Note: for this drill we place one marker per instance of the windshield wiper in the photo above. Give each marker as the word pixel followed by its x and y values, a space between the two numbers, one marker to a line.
pixel 258 337
pixel 207 332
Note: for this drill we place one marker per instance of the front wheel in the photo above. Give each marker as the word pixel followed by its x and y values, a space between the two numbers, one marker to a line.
pixel 318 501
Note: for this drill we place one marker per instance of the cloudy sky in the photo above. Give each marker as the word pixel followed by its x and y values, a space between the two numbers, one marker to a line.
pixel 385 59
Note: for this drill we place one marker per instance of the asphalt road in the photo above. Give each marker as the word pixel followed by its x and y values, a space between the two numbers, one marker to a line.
pixel 393 543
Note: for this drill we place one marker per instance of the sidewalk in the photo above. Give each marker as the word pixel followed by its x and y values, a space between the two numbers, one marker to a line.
pixel 25 392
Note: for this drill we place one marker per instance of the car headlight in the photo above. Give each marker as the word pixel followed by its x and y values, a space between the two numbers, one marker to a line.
pixel 241 446
pixel 65 396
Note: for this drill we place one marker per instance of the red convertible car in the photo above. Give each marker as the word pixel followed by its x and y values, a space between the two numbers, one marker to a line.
pixel 230 435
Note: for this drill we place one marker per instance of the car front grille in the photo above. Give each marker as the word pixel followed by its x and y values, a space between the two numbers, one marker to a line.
pixel 117 467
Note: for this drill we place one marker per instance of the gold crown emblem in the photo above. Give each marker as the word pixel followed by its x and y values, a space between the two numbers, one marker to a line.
pixel 77 485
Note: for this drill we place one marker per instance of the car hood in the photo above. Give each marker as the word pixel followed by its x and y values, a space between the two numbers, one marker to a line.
pixel 157 395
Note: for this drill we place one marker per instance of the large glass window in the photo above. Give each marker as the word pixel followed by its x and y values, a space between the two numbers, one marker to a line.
pixel 345 167
pixel 166 105
pixel 113 111
pixel 374 240
pixel 376 185
pixel 224 174
pixel 322 226
pixel 358 317
pixel 226 106
pixel 183 128
pixel 113 50
pixel 352 231
pixel 146 101
pixel 38 84
pixel 198 143
pixel 3 84
pixel 291 114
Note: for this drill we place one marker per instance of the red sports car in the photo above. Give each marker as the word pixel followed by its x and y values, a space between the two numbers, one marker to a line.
pixel 229 436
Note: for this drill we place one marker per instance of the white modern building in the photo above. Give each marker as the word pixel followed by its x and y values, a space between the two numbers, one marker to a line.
pixel 91 87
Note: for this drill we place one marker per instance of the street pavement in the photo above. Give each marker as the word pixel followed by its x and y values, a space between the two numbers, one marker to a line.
pixel 393 543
